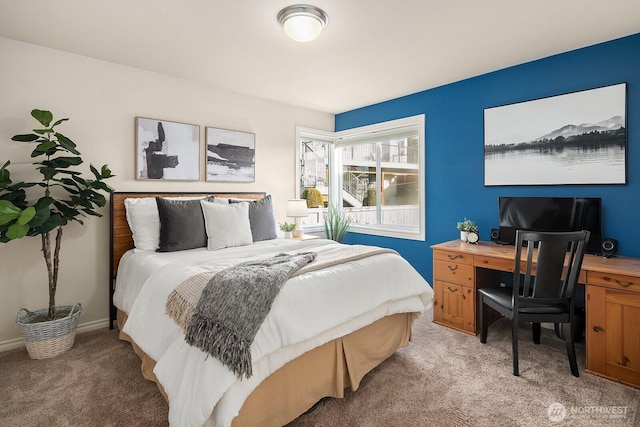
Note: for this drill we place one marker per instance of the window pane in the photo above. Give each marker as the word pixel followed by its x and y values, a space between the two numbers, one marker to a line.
pixel 400 200
pixel 380 182
pixel 359 162
pixel 314 177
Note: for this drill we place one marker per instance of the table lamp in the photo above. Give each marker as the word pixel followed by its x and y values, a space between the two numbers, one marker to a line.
pixel 297 208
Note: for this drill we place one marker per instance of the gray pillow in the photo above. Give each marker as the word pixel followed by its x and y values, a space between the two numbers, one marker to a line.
pixel 261 218
pixel 181 225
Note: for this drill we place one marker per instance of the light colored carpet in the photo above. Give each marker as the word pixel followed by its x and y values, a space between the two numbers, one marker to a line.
pixel 447 378
pixel 443 378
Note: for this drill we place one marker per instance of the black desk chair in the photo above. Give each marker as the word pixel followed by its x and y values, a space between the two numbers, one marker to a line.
pixel 544 295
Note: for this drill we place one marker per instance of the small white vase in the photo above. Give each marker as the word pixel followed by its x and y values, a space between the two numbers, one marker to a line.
pixel 463 235
pixel 287 234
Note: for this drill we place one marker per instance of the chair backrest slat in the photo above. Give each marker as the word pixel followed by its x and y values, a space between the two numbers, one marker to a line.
pixel 558 260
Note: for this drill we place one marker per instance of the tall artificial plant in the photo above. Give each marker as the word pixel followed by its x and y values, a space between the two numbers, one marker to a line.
pixel 65 196
pixel 336 224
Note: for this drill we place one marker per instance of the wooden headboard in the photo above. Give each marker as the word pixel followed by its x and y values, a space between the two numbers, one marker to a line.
pixel 121 239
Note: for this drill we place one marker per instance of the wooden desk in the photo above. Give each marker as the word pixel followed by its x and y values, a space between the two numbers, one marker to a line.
pixel 612 300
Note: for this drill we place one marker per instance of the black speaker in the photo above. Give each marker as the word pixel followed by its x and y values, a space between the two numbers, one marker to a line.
pixel 609 247
pixel 495 234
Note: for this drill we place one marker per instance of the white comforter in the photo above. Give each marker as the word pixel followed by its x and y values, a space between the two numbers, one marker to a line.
pixel 310 310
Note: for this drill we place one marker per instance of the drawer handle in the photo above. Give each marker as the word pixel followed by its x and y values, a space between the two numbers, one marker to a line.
pixel 452 257
pixel 451 290
pixel 596 329
pixel 452 268
pixel 624 285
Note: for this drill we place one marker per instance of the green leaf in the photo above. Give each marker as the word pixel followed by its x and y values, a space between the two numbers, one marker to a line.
pixel 25 138
pixel 43 202
pixel 106 172
pixel 45 146
pixel 47 173
pixel 66 211
pixel 67 143
pixel 43 116
pixel 26 216
pixel 40 217
pixel 63 162
pixel 99 199
pixel 99 185
pixel 71 190
pixel 80 180
pixel 17 231
pixel 54 221
pixel 17 197
pixel 8 212
pixel 58 122
pixel 5 177
pixel 43 131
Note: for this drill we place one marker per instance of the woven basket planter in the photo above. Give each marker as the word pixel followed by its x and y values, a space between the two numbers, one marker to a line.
pixel 50 338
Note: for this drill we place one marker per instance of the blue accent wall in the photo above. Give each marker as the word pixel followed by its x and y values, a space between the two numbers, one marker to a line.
pixel 454 134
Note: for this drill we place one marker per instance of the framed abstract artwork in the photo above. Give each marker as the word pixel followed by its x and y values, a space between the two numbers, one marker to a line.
pixel 230 155
pixel 167 150
pixel 575 138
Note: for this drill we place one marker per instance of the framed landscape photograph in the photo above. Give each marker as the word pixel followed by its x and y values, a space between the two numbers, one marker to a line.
pixel 167 150
pixel 575 138
pixel 230 155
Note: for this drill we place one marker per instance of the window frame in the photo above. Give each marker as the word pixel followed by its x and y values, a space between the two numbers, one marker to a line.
pixel 347 137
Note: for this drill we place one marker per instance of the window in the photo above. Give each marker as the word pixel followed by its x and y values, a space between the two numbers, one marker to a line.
pixel 375 173
pixel 314 152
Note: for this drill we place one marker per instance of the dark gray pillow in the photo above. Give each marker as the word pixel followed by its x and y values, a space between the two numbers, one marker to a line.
pixel 181 225
pixel 261 218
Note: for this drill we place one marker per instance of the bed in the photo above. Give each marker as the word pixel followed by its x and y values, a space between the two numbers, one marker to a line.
pixel 327 328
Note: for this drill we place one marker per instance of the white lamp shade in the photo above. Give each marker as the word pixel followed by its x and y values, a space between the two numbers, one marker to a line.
pixel 302 28
pixel 297 208
pixel 302 22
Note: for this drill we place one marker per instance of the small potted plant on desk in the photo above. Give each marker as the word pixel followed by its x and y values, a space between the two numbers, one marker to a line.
pixel 66 197
pixel 287 228
pixel 468 231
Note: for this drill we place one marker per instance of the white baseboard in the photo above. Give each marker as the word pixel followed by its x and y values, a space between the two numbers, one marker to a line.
pixel 83 327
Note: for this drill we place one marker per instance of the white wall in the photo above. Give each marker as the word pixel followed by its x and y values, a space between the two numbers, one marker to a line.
pixel 102 100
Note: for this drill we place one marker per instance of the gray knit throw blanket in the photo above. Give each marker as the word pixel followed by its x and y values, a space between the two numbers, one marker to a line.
pixel 234 304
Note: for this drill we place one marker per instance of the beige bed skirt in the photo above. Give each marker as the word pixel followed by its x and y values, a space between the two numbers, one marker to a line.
pixel 324 371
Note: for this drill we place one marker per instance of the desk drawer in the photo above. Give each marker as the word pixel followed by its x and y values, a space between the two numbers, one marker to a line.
pixel 451 256
pixel 615 281
pixel 453 272
pixel 494 263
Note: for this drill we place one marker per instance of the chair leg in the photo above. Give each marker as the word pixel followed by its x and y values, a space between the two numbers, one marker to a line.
pixel 514 343
pixel 484 327
pixel 567 331
pixel 535 328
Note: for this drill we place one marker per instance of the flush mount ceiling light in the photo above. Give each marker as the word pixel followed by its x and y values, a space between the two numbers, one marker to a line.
pixel 302 22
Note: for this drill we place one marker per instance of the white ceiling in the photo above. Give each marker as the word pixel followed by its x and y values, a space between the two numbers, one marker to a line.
pixel 371 50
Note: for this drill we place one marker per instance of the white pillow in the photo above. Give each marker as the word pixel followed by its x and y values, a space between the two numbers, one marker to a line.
pixel 227 225
pixel 144 221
